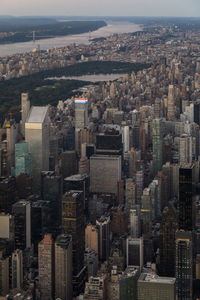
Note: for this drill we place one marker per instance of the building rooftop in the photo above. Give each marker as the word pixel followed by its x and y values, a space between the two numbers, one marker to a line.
pixel 37 114
pixel 153 278
pixel 130 271
pixel 63 240
pixel 76 177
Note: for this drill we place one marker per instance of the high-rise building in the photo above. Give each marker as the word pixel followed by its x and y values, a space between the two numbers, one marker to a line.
pixel 63 267
pixel 171 103
pixel 46 267
pixel 81 117
pixel 6 226
pixel 168 228
pixel 126 139
pixel 17 269
pixel 184 265
pixel 105 172
pixel 134 252
pixel 51 190
pixel 128 283
pixel 7 193
pixel 91 261
pixel 37 136
pixel 153 287
pixel 110 142
pixel 186 148
pixel 78 182
pixel 21 211
pixel 135 222
pixel 197 112
pixel 91 237
pixel 81 113
pixel 157 137
pixel 95 288
pixel 41 221
pixel 130 194
pixel 132 162
pixel 23 160
pixel 4 275
pixel 25 108
pixel 185 199
pixel 103 226
pixel 139 180
pixel 73 224
pixel 68 163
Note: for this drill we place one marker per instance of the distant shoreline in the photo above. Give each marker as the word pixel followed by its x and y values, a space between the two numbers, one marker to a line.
pixel 63 41
pixel 54 30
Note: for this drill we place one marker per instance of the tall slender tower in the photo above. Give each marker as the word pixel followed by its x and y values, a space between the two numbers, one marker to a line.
pixel 184 265
pixel 46 267
pixel 37 128
pixel 63 267
pixel 81 117
pixel 168 228
pixel 73 224
pixel 25 108
pixel 171 103
pixel 157 145
pixel 17 269
pixel 186 201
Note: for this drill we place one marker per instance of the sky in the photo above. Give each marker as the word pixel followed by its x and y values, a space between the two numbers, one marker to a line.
pixel 187 8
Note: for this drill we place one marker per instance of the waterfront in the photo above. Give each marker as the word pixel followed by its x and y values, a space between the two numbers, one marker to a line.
pixel 111 28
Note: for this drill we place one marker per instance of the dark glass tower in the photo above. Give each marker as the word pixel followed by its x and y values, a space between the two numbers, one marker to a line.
pixel 73 224
pixel 184 265
pixel 168 228
pixel 186 218
pixel 51 190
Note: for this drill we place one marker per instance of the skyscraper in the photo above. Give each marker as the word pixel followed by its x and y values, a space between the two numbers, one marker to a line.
pixel 25 108
pixel 153 287
pixel 103 226
pixel 63 267
pixel 4 274
pixel 7 193
pixel 95 288
pixel 73 224
pixel 185 200
pixel 22 219
pixel 134 252
pixel 168 228
pixel 81 113
pixel 51 190
pixel 23 160
pixel 126 141
pixel 157 137
pixel 186 146
pixel 184 265
pixel 171 103
pixel 37 136
pixel 17 269
pixel 105 172
pixel 81 117
pixel 46 267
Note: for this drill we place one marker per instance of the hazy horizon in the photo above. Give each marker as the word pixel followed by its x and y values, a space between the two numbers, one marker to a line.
pixel 127 8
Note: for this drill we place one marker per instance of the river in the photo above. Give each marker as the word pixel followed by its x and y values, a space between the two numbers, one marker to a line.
pixel 111 28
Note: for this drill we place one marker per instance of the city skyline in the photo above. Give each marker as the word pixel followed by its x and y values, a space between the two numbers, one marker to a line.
pixel 177 8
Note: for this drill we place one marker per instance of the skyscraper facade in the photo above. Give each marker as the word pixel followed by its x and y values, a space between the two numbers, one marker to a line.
pixel 63 267
pixel 184 265
pixel 37 136
pixel 46 267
